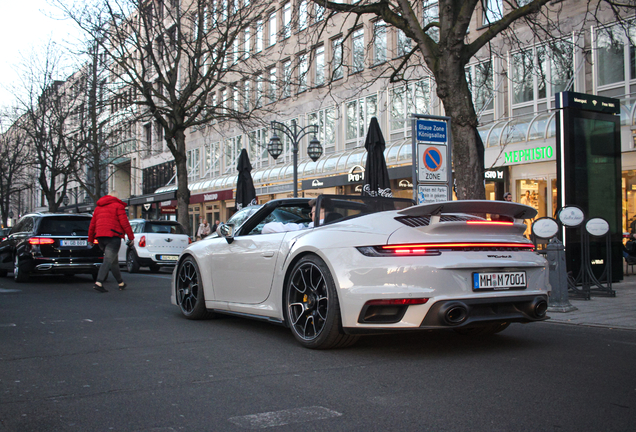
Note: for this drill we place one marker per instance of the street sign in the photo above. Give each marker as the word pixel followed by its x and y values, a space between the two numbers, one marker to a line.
pixel 431 131
pixel 427 194
pixel 433 166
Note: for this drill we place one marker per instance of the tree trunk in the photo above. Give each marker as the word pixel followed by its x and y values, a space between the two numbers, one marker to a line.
pixel 468 153
pixel 183 193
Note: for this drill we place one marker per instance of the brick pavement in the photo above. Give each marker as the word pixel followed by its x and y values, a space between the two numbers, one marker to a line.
pixel 601 311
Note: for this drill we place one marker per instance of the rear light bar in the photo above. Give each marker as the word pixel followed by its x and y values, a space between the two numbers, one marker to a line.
pixel 41 241
pixel 490 223
pixel 433 249
pixel 396 302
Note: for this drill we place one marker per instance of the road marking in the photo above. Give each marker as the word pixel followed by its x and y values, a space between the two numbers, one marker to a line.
pixel 5 290
pixel 284 417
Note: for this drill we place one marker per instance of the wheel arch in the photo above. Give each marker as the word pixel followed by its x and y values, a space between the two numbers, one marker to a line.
pixel 205 281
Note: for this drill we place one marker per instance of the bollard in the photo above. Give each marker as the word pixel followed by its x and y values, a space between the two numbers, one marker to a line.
pixel 558 300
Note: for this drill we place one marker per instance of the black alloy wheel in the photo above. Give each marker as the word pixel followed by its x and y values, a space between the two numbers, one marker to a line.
pixel 131 262
pixel 312 307
pixel 189 291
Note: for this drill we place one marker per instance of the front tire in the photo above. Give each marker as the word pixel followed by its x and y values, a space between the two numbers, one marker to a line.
pixel 19 275
pixel 189 291
pixel 312 307
pixel 131 262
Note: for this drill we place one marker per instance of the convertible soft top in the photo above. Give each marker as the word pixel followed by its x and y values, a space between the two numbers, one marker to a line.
pixel 513 210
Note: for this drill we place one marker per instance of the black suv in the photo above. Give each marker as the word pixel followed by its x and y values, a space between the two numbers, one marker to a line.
pixel 49 243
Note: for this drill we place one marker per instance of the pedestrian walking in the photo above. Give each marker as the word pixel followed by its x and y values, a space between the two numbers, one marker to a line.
pixel 215 226
pixel 204 229
pixel 109 225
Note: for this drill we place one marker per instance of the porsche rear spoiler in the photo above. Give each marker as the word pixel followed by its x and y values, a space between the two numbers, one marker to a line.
pixel 515 211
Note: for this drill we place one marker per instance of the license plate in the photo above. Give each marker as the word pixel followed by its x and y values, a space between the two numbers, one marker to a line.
pixel 499 280
pixel 73 243
pixel 168 257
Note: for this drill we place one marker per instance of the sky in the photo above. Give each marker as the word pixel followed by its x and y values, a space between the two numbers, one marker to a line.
pixel 27 26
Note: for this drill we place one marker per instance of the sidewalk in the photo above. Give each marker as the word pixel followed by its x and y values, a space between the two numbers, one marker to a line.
pixel 613 312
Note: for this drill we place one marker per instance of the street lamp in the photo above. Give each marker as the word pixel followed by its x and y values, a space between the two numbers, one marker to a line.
pixel 295 134
pixel 65 199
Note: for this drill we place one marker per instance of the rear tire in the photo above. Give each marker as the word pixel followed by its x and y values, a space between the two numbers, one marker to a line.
pixel 484 329
pixel 131 262
pixel 19 275
pixel 189 291
pixel 312 309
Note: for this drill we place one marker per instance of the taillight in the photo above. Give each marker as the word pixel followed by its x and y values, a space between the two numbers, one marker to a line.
pixel 142 241
pixel 397 302
pixel 490 223
pixel 189 240
pixel 95 241
pixel 432 249
pixel 41 241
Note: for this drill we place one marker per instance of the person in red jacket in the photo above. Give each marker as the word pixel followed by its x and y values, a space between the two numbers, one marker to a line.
pixel 108 226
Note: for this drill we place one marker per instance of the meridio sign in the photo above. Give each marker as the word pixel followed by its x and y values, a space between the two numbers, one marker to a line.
pixel 529 155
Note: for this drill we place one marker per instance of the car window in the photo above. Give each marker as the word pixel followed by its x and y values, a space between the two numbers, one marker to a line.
pixel 64 225
pixel 164 228
pixel 241 216
pixel 285 214
pixel 137 227
pixel 26 225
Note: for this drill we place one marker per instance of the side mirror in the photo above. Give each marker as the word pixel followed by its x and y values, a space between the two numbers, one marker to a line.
pixel 226 231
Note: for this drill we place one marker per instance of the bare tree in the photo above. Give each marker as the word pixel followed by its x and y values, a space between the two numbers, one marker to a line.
pixel 442 46
pixel 46 112
pixel 181 63
pixel 14 164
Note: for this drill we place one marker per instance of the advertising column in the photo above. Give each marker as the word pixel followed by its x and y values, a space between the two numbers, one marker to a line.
pixel 432 170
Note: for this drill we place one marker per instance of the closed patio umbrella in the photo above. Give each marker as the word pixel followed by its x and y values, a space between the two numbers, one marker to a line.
pixel 245 192
pixel 376 174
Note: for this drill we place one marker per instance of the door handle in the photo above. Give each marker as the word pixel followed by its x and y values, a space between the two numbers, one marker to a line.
pixel 267 254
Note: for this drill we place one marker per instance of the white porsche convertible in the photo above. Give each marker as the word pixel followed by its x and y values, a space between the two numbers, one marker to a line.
pixel 367 265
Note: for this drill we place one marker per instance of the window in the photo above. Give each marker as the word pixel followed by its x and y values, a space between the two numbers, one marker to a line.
pixel 258 141
pixel 541 71
pixel 287 76
pixel 193 163
pixel 247 42
pixel 493 11
pixel 287 16
pixel 235 51
pixel 403 43
pixel 148 138
pixel 259 91
pixel 430 13
pixel 303 68
pixel 232 149
pixel 319 73
pixel 246 95
pixel 358 115
pixel 406 100
pixel 303 15
pixel 480 82
pixel 615 54
pixel 272 28
pixel 212 160
pixel 319 12
pixel 379 42
pixel 358 50
pixel 326 121
pixel 259 36
pixel 336 63
pixel 272 85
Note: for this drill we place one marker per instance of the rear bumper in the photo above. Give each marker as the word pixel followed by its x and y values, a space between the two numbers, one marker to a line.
pixel 150 261
pixel 57 267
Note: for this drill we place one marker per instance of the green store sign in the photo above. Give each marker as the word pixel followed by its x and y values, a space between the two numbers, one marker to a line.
pixel 529 155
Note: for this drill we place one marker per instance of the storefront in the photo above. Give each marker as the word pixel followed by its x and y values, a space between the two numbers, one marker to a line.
pixel 209 206
pixel 351 183
pixel 149 206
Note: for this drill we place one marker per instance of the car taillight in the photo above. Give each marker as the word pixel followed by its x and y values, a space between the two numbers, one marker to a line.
pixel 189 240
pixel 142 241
pixel 397 302
pixel 432 249
pixel 95 241
pixel 41 241
pixel 490 223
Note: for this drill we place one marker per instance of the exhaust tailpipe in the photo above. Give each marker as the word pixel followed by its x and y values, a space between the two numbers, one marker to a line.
pixel 454 313
pixel 539 307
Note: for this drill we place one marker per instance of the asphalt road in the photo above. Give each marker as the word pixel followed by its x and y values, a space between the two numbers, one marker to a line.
pixel 72 359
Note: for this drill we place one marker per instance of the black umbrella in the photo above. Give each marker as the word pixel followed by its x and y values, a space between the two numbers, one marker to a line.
pixel 376 175
pixel 245 192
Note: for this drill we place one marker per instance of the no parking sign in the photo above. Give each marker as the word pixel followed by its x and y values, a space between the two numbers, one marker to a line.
pixel 433 163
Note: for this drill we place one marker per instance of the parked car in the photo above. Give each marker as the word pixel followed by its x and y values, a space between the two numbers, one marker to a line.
pixel 157 244
pixel 49 243
pixel 4 233
pixel 377 267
